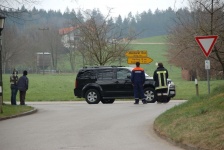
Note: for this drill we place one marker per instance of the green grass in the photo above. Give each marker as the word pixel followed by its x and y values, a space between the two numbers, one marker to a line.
pixel 60 87
pixel 9 110
pixel 198 122
pixel 155 39
pixel 48 87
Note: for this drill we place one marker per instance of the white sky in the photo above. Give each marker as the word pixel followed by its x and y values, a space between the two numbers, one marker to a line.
pixel 122 7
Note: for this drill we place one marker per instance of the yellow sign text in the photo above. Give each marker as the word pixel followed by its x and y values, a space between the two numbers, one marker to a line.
pixel 136 53
pixel 142 60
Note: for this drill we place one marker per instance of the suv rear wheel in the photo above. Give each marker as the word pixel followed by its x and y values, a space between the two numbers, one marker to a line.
pixel 92 96
pixel 150 95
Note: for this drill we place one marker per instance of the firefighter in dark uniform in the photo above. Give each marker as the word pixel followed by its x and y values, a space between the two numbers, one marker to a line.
pixel 160 77
pixel 138 80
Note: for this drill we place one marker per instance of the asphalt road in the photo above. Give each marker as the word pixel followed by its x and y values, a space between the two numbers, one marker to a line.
pixel 80 126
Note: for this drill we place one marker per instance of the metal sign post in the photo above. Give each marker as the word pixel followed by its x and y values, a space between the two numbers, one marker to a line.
pixel 206 44
pixel 207 67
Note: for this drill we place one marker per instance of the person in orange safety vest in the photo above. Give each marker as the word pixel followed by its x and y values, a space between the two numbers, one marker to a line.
pixel 138 80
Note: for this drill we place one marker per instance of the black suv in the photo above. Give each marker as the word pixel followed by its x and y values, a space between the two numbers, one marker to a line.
pixel 106 84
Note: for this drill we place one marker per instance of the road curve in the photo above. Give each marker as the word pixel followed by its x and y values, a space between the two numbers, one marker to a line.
pixel 80 126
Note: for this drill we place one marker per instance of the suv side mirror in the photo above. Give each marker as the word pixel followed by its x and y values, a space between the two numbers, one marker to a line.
pixel 129 76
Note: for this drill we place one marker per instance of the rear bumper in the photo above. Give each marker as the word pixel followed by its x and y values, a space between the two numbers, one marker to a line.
pixel 78 93
pixel 170 91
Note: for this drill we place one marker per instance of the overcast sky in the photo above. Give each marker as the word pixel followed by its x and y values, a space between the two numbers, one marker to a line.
pixel 122 7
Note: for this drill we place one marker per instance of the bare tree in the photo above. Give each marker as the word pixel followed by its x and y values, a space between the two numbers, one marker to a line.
pixel 71 48
pixel 101 40
pixel 205 17
pixel 14 44
pixel 55 46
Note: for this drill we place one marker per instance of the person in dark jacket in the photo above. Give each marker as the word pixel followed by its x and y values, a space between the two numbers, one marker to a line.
pixel 13 86
pixel 138 80
pixel 23 87
pixel 160 77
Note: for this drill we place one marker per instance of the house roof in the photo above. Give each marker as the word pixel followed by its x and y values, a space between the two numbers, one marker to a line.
pixel 66 30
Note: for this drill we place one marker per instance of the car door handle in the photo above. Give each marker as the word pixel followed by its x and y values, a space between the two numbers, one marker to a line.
pixel 117 82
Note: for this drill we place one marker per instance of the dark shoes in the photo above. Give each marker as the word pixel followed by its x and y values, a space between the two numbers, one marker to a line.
pixel 144 102
pixel 136 101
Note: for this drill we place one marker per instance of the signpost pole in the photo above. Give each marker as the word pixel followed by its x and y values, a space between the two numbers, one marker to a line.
pixel 208 78
pixel 208 81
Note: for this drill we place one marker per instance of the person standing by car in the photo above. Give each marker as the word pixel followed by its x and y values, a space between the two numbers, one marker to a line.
pixel 13 86
pixel 138 80
pixel 160 77
pixel 23 87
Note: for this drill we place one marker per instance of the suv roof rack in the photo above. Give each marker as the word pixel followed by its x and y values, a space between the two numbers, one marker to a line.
pixel 85 67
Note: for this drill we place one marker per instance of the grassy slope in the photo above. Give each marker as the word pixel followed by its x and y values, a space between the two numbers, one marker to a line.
pixel 198 122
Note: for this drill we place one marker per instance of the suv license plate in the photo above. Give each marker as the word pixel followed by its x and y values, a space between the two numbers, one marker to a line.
pixel 172 92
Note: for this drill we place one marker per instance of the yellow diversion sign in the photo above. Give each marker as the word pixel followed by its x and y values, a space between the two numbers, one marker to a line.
pixel 142 60
pixel 136 53
pixel 138 56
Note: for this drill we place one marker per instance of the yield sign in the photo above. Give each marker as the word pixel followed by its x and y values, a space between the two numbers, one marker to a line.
pixel 206 43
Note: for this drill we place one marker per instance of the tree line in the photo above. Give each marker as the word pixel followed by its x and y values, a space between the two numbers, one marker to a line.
pixel 24 35
pixel 100 36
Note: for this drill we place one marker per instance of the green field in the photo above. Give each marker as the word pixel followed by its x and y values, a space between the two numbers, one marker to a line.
pixel 185 89
pixel 48 87
pixel 59 87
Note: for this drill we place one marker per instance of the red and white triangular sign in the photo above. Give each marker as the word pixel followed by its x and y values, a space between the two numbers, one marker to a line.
pixel 206 43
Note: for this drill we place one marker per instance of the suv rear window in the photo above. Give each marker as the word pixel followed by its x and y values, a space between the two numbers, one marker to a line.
pixel 86 74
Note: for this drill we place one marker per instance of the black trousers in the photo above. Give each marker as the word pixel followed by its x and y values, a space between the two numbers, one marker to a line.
pixel 22 96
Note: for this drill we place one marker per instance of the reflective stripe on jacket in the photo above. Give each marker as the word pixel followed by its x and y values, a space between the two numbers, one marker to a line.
pixel 160 77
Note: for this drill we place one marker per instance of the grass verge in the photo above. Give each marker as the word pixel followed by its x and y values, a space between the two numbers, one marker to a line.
pixel 11 110
pixel 198 122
